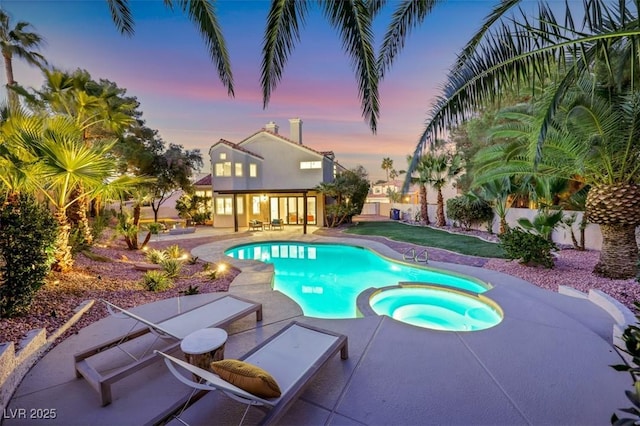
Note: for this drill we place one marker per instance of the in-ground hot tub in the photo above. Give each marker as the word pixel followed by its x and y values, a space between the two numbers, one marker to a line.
pixel 431 306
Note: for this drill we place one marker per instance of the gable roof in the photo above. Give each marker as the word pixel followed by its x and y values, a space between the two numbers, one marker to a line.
pixel 327 154
pixel 204 181
pixel 236 147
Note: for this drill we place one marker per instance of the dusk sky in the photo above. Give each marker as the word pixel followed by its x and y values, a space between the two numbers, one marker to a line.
pixel 166 66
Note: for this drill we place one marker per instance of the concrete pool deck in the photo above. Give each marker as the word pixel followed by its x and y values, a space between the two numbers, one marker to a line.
pixel 546 363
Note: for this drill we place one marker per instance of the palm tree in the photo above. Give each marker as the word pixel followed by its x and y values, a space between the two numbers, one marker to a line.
pixel 98 109
pixel 499 193
pixel 203 15
pixel 441 169
pixel 62 161
pixel 424 172
pixel 387 165
pixel 18 42
pixel 593 139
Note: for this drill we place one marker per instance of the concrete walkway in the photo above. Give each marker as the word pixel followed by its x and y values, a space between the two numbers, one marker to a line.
pixel 546 363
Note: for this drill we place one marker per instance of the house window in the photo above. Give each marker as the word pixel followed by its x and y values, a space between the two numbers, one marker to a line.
pixel 238 169
pixel 223 155
pixel 255 205
pixel 223 169
pixel 310 165
pixel 240 205
pixel 224 205
pixel 253 170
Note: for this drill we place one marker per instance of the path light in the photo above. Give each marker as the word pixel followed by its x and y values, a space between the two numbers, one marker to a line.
pixel 222 267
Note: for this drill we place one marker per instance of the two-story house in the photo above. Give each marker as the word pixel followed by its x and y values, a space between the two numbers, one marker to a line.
pixel 268 176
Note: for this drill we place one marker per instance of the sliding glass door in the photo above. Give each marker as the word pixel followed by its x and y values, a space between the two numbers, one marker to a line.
pixel 291 209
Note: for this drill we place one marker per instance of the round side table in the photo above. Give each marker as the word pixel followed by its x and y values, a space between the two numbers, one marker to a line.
pixel 204 346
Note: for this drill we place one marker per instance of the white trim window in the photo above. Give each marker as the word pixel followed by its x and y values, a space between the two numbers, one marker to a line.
pixel 305 165
pixel 223 169
pixel 238 167
pixel 223 155
pixel 253 170
pixel 224 206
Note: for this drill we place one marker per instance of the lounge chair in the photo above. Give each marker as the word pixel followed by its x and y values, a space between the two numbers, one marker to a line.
pixel 276 223
pixel 219 313
pixel 256 225
pixel 293 356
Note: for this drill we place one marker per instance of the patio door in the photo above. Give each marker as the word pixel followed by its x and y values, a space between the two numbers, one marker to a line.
pixel 291 209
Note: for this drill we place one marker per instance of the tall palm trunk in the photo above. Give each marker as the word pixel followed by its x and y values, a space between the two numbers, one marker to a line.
pixel 616 208
pixel 62 254
pixel 424 207
pixel 77 215
pixel 504 226
pixel 8 69
pixel 619 252
pixel 440 219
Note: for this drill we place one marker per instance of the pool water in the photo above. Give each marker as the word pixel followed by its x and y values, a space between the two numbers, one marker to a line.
pixel 325 279
pixel 438 309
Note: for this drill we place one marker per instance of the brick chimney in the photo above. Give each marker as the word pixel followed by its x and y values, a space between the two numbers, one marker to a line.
pixel 272 127
pixel 295 132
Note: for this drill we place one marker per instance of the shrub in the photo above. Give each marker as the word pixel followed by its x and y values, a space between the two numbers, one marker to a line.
pixel 469 209
pixel 529 248
pixel 156 256
pixel 154 227
pixel 27 235
pixel 191 290
pixel 174 252
pixel 631 339
pixel 156 281
pixel 201 218
pixel 171 267
pixel 101 223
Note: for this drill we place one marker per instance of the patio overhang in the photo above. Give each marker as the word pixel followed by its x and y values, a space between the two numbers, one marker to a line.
pixel 236 192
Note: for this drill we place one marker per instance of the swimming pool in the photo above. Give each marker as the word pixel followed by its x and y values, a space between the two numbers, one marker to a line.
pixel 326 279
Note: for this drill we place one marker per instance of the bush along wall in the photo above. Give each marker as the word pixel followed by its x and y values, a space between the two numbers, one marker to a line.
pixel 27 234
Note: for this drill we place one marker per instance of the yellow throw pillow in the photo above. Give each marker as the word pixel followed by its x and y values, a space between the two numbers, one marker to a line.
pixel 248 377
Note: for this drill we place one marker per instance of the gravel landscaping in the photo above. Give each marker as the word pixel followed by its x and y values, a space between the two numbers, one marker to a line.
pixel 116 280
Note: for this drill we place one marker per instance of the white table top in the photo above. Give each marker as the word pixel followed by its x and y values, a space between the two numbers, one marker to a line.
pixel 203 341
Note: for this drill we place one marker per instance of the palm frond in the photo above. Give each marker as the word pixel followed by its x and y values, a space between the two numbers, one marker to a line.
pixel 495 16
pixel 407 15
pixel 519 52
pixel 353 21
pixel 121 16
pixel 202 14
pixel 284 21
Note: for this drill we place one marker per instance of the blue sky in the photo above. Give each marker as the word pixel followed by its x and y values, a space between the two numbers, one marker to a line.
pixel 166 66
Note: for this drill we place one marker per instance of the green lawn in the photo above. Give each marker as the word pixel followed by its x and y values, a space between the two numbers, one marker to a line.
pixel 428 237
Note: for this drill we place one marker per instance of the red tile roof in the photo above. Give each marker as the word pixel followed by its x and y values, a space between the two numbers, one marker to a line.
pixel 236 147
pixel 204 181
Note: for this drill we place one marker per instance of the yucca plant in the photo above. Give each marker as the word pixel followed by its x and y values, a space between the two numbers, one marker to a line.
pixel 156 256
pixel 174 252
pixel 156 281
pixel 171 267
pixel 191 290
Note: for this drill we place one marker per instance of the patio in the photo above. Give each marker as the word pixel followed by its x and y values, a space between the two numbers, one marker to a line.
pixel 546 363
